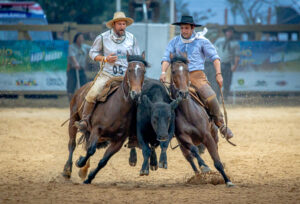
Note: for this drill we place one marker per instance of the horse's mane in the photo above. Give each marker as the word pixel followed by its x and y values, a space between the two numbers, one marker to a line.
pixel 139 58
pixel 178 58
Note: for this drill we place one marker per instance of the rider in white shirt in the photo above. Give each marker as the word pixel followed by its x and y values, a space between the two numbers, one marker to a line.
pixel 111 47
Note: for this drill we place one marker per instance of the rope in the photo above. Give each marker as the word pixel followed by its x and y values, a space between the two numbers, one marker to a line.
pixel 226 118
pixel 171 144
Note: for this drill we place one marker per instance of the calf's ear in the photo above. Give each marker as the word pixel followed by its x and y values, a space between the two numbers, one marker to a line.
pixel 146 101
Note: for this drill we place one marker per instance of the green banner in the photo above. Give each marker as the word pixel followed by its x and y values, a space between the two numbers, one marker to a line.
pixel 33 65
pixel 32 56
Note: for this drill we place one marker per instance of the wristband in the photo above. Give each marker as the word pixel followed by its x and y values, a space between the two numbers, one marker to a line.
pixel 104 59
pixel 218 73
pixel 163 72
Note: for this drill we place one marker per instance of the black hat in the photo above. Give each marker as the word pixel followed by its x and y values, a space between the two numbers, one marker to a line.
pixel 187 20
pixel 229 28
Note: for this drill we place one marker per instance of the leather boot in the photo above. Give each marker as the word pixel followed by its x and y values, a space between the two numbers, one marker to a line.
pixel 215 112
pixel 86 114
pixel 208 96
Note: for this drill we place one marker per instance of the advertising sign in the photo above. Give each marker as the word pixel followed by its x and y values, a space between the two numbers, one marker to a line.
pixel 268 66
pixel 33 65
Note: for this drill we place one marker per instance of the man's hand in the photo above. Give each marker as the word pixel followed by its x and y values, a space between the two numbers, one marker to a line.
pixel 219 79
pixel 162 77
pixel 112 58
pixel 77 66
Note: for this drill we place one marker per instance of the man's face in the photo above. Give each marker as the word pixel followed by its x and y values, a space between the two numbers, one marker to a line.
pixel 80 39
pixel 119 28
pixel 186 30
pixel 229 34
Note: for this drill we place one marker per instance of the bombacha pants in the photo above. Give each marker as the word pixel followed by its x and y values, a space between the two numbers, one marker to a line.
pixel 98 86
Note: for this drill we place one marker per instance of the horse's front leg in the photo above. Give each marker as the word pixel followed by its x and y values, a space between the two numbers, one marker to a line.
pixel 81 162
pixel 82 173
pixel 189 157
pixel 114 147
pixel 213 151
pixel 132 157
pixel 71 146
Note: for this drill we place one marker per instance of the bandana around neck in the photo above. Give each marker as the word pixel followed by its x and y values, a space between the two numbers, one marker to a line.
pixel 116 38
pixel 197 35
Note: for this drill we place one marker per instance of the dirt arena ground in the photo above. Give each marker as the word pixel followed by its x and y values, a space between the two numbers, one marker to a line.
pixel 265 166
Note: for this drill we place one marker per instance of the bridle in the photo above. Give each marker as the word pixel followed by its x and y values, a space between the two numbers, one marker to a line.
pixel 126 96
pixel 172 82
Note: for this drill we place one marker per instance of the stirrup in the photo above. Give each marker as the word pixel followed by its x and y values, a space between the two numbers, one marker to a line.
pixel 226 132
pixel 81 125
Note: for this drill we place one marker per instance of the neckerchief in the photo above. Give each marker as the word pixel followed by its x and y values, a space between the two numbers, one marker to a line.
pixel 115 37
pixel 195 35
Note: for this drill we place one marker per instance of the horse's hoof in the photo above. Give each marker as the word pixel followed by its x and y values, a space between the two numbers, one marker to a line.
pixel 79 162
pixel 154 167
pixel 82 174
pixel 229 184
pixel 87 182
pixel 144 172
pixel 132 163
pixel 205 169
pixel 66 174
pixel 163 165
pixel 67 171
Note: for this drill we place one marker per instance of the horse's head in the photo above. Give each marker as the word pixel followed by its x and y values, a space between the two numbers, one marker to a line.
pixel 135 74
pixel 180 75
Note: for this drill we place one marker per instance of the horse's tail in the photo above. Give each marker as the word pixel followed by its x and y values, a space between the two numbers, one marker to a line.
pixel 84 139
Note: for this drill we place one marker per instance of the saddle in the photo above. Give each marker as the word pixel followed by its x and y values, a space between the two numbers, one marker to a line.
pixel 195 96
pixel 110 87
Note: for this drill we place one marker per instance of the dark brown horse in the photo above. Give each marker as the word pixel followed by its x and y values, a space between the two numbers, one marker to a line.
pixel 110 120
pixel 193 124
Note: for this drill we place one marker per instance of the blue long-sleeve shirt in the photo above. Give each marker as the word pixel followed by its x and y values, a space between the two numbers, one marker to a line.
pixel 197 51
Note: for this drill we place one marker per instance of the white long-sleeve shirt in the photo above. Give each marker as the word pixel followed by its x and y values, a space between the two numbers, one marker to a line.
pixel 105 44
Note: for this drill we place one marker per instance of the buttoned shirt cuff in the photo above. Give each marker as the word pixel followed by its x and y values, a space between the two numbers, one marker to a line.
pixel 213 58
pixel 94 55
pixel 164 59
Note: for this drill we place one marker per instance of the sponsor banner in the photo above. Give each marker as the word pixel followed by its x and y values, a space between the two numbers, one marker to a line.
pixel 268 66
pixel 33 65
pixel 35 81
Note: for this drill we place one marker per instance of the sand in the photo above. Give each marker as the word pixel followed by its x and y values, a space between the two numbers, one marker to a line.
pixel 265 166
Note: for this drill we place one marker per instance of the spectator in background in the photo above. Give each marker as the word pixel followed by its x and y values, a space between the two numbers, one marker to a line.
pixel 78 52
pixel 228 49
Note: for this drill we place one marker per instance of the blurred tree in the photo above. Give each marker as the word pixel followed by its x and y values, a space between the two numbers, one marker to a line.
pixel 182 8
pixel 83 12
pixel 252 12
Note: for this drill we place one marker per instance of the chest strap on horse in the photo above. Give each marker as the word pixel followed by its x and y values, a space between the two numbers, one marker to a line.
pixel 81 105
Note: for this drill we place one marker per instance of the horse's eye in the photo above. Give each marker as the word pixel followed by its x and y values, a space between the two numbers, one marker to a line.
pixel 129 70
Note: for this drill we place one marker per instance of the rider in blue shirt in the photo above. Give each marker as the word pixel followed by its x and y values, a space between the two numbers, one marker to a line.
pixel 198 48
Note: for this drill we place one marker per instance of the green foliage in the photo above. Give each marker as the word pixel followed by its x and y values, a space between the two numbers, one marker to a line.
pixel 250 11
pixel 82 12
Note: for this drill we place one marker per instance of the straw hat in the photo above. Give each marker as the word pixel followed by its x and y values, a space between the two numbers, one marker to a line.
pixel 119 16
